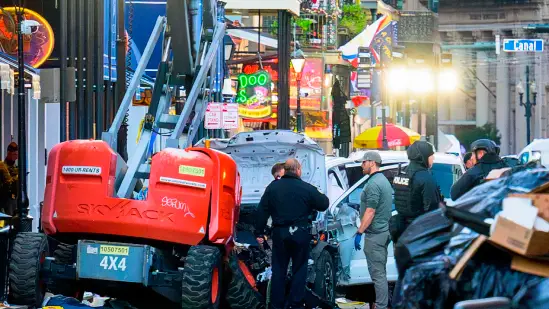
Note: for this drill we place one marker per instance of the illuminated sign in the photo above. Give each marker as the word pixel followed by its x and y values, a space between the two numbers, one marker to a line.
pixel 253 68
pixel 254 95
pixel 37 46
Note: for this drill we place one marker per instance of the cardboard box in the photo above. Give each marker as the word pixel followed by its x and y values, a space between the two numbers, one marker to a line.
pixel 530 266
pixel 540 201
pixel 495 174
pixel 519 239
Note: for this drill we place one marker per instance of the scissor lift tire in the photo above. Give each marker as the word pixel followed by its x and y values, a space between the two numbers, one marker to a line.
pixel 28 255
pixel 64 254
pixel 201 281
pixel 242 293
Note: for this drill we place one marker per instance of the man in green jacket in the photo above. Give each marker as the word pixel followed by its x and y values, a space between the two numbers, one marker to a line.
pixel 375 210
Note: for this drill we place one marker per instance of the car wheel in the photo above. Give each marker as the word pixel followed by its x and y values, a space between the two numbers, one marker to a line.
pixel 325 282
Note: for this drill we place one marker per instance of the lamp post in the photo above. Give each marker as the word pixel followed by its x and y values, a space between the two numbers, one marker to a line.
pixel 528 105
pixel 22 198
pixel 298 62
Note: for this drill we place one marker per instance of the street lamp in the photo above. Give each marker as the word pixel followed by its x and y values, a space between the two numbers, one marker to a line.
pixel 298 62
pixel 528 105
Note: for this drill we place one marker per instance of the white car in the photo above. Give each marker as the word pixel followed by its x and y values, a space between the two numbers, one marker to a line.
pixel 447 169
pixel 340 178
pixel 538 150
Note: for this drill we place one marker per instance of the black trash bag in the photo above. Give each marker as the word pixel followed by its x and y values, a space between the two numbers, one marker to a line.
pixel 488 274
pixel 533 296
pixel 425 286
pixel 486 198
pixel 424 239
pixel 491 280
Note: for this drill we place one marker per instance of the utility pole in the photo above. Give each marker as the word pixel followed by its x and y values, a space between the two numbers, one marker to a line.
pixel 384 97
pixel 22 197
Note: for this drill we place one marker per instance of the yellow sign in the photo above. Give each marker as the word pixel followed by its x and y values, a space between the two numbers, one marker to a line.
pixel 255 113
pixel 114 250
pixel 192 170
pixel 52 307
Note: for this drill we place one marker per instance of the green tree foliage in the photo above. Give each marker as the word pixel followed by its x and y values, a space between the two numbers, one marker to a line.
pixel 355 18
pixel 469 135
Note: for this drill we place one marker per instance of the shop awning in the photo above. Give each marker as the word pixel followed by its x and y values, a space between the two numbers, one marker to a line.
pixel 291 6
pixel 253 59
pixel 253 36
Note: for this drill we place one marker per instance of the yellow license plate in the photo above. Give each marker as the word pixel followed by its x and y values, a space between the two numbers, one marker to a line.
pixel 114 250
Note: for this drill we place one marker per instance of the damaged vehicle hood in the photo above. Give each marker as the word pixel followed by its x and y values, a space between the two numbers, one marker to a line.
pixel 256 152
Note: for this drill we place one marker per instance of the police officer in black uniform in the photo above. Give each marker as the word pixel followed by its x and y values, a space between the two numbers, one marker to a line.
pixel 487 156
pixel 416 190
pixel 290 202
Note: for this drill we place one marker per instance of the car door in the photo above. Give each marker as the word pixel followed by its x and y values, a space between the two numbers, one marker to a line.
pixel 359 266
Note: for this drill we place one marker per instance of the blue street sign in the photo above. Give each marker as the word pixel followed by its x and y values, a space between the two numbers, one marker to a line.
pixel 523 45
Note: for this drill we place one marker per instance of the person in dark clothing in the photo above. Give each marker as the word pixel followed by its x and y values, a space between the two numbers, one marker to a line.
pixel 9 177
pixel 290 202
pixel 486 153
pixel 277 171
pixel 469 160
pixel 416 190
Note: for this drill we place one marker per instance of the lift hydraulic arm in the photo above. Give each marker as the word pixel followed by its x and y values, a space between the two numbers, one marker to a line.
pixel 181 61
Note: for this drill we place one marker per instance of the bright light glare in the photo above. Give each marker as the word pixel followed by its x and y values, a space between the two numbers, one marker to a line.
pixel 421 81
pixel 398 79
pixel 447 81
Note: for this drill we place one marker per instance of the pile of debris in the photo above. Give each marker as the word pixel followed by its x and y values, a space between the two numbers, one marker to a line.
pixel 493 242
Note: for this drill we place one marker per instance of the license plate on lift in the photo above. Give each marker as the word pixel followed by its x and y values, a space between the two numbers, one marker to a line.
pixel 113 261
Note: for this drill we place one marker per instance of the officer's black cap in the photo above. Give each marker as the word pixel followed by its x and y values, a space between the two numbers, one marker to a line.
pixel 420 151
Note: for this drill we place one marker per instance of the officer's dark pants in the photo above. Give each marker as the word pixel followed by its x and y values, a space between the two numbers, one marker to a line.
pixel 285 247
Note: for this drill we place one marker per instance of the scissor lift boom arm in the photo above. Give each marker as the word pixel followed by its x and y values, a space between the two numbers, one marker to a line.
pixel 178 59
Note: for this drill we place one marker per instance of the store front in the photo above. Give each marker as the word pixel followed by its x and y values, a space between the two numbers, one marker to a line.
pixel 257 79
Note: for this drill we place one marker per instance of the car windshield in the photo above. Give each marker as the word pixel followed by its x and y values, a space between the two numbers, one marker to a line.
pixel 445 174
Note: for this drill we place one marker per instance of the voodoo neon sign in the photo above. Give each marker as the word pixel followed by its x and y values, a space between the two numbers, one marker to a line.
pixel 248 82
pixel 254 94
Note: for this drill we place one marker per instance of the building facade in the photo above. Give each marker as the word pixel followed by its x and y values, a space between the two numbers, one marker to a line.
pixel 487 92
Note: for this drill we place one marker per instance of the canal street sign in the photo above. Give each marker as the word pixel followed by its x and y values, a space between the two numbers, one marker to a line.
pixel 523 45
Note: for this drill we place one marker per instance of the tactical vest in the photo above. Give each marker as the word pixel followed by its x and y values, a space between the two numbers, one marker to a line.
pixel 403 194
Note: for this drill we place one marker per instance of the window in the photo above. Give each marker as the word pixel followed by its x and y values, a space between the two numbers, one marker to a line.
pixel 446 175
pixel 354 196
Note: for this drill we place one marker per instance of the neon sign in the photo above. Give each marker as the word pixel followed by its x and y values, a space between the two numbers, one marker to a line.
pixel 254 94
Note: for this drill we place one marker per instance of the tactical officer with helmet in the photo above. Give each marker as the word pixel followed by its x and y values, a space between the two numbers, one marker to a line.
pixel 487 156
pixel 416 190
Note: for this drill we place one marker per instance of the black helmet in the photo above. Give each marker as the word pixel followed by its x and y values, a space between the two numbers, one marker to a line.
pixel 420 151
pixel 485 144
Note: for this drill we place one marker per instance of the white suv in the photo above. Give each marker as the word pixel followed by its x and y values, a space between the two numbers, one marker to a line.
pixel 447 169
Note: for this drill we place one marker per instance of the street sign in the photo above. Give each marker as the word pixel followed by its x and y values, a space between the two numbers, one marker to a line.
pixel 523 45
pixel 212 118
pixel 230 116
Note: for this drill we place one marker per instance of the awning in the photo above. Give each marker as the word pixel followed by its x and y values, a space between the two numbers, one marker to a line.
pixel 253 36
pixel 253 59
pixel 291 6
